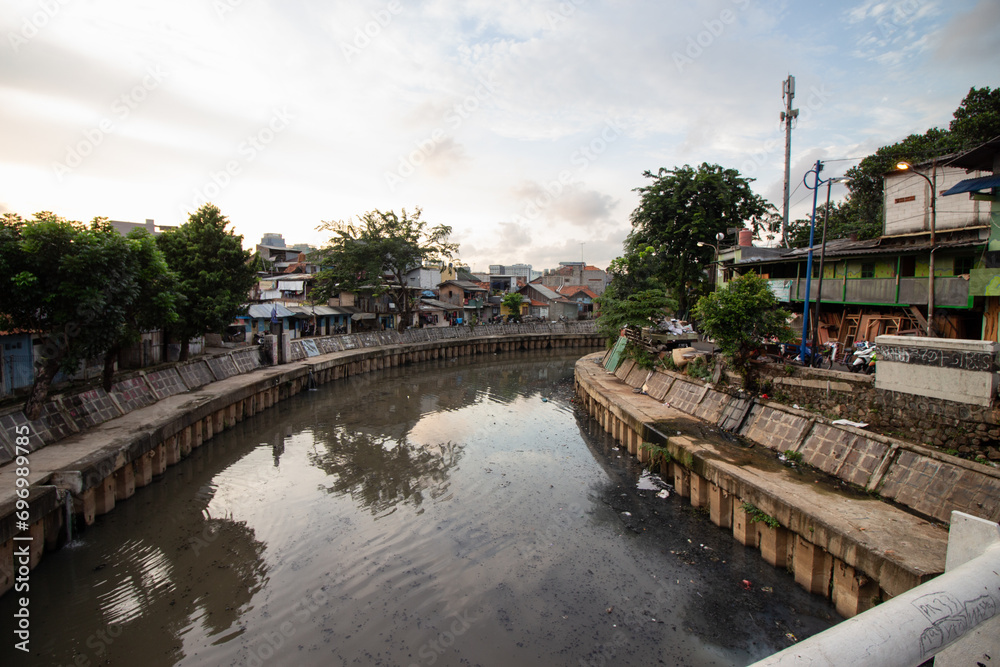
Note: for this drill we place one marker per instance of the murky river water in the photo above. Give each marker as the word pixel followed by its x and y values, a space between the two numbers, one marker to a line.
pixel 447 513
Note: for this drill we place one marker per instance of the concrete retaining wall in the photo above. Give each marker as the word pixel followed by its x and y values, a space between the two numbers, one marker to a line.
pixel 854 549
pixel 92 471
pixel 930 482
pixel 938 367
pixel 972 430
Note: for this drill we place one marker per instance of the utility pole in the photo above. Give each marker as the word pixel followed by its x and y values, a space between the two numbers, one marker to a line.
pixel 787 94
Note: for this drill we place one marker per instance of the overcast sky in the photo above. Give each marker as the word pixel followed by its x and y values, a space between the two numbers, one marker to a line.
pixel 524 125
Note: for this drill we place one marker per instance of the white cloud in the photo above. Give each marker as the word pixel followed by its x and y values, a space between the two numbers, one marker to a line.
pixel 512 97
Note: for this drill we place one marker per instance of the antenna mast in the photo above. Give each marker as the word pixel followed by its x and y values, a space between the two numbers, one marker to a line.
pixel 787 94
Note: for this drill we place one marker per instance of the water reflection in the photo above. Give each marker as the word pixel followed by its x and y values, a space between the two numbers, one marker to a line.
pixel 367 444
pixel 378 472
pixel 355 524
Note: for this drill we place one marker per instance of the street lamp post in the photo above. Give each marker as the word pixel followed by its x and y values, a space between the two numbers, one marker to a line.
pixel 718 240
pixel 902 165
pixel 822 256
pixel 804 348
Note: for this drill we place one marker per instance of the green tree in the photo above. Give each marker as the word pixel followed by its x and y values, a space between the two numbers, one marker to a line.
pixel 377 252
pixel 639 309
pixel 77 285
pixel 214 274
pixel 155 305
pixel 679 209
pixel 512 302
pixel 977 118
pixel 840 225
pixel 740 317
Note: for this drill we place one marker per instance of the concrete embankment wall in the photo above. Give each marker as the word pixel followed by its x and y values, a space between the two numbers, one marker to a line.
pixel 855 550
pixel 972 430
pixel 93 449
pixel 921 478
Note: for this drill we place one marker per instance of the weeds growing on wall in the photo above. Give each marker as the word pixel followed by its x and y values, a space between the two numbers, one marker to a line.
pixel 657 455
pixel 756 514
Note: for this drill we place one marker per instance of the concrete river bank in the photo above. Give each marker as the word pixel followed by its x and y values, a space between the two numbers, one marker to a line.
pixel 459 511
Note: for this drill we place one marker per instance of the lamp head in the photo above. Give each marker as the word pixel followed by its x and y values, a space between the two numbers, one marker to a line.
pixel 700 244
pixel 903 165
pixel 720 236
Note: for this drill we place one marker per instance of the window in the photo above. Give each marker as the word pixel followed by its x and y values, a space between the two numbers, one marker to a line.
pixel 908 266
pixel 868 270
pixel 815 269
pixel 963 265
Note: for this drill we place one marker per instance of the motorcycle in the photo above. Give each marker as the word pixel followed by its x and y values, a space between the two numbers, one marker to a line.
pixel 863 360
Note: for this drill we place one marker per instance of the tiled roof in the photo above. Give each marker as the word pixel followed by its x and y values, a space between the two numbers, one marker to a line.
pixel 573 290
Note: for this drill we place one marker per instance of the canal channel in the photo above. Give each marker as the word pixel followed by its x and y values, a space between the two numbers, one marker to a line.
pixel 459 512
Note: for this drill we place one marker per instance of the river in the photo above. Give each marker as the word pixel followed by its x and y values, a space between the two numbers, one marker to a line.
pixel 459 512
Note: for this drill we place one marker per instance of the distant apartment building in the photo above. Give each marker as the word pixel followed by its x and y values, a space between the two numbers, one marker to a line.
pixel 150 226
pixel 520 270
pixel 576 273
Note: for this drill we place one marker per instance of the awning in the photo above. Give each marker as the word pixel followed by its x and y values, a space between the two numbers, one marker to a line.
pixel 973 185
pixel 363 316
pixel 262 311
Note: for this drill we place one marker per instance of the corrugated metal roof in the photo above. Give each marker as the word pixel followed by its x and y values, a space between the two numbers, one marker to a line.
pixel 262 311
pixel 973 185
pixel 848 248
pixel 979 158
pixel 441 304
pixel 546 292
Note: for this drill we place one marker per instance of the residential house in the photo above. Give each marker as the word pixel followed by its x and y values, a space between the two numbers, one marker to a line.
pixel 584 298
pixel 881 286
pixel 469 296
pixel 17 369
pixel 548 304
pixel 435 313
pixel 287 289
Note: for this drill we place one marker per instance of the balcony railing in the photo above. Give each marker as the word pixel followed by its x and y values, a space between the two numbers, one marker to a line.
pixel 949 291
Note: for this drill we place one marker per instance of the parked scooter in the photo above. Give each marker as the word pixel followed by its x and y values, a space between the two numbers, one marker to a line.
pixel 863 360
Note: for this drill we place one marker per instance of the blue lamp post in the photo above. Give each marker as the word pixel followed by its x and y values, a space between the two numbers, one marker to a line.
pixel 804 348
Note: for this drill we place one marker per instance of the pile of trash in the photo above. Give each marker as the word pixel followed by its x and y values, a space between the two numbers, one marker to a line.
pixel 673 326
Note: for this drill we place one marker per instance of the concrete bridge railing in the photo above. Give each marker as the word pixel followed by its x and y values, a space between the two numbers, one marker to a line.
pixel 954 618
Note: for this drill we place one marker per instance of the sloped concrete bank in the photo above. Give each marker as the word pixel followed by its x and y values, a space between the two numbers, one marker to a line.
pixel 55 482
pixel 848 545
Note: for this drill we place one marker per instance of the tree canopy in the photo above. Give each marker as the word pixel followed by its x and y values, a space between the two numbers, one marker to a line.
pixel 376 252
pixel 678 209
pixel 512 302
pixel 214 274
pixel 740 317
pixel 155 305
pixel 82 288
pixel 639 309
